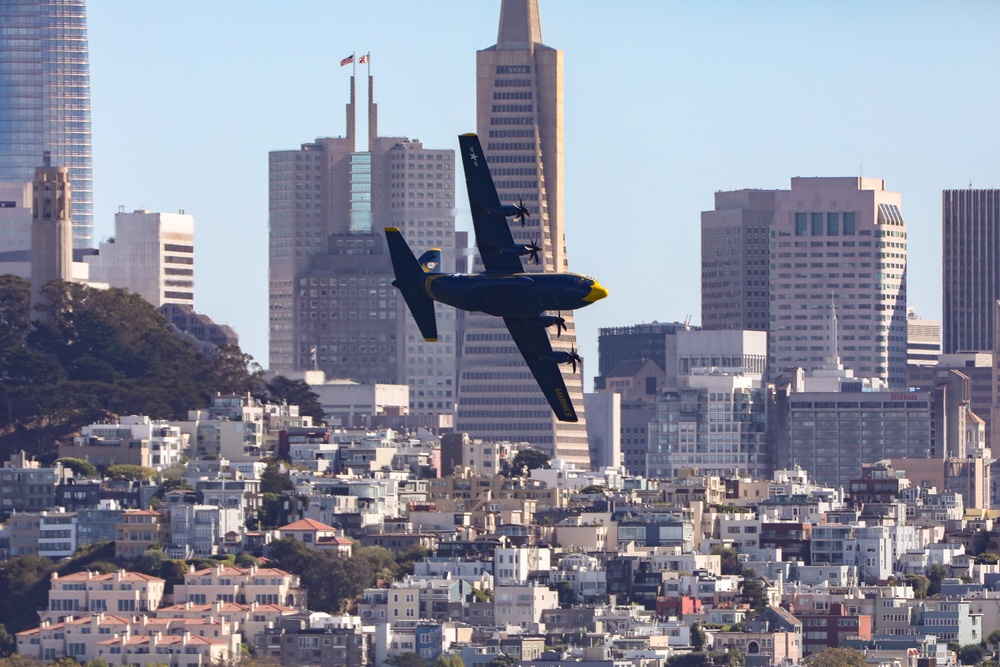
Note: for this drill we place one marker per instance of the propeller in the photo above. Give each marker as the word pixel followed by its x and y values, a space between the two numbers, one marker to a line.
pixel 575 357
pixel 533 251
pixel 522 212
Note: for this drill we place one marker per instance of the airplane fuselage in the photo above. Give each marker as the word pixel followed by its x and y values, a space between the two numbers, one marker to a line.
pixel 514 294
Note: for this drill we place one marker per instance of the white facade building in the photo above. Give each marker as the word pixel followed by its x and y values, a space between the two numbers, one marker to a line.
pixel 151 254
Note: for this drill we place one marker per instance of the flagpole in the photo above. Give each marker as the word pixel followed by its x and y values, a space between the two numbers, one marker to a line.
pixel 354 64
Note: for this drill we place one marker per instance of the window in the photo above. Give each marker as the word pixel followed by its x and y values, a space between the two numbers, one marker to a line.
pixel 849 224
pixel 801 224
pixel 833 224
pixel 817 224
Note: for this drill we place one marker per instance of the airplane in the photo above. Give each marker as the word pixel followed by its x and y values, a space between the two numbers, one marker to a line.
pixel 504 289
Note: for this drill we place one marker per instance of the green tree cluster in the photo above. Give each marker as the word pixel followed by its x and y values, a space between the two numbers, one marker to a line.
pixel 86 355
pixel 835 657
pixel 527 460
pixel 333 580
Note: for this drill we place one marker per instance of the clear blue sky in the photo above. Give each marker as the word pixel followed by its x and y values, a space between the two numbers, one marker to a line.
pixel 666 102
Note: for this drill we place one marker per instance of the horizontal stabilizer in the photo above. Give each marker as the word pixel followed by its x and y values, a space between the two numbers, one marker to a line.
pixel 430 261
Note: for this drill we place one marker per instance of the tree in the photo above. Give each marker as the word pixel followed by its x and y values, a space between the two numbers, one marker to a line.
pixel 24 588
pixel 172 484
pixel 272 480
pixel 971 654
pixel 406 660
pixel 8 642
pixel 503 660
pixel 987 559
pixel 79 467
pixel 752 590
pixel 730 563
pixel 448 660
pixel 131 473
pixel 88 355
pixel 919 583
pixel 936 574
pixel 296 392
pixel 698 637
pixel 529 459
pixel 735 657
pixel 836 657
pixel 64 661
pixel 565 591
pixel 993 639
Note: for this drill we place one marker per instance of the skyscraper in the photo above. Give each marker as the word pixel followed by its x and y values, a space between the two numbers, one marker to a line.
pixel 971 268
pixel 735 290
pixel 519 115
pixel 45 98
pixel 332 305
pixel 839 242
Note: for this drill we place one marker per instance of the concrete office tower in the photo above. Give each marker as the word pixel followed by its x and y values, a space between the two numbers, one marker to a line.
pixel 51 229
pixel 656 341
pixel 735 291
pixel 151 254
pixel 923 340
pixel 332 305
pixel 45 99
pixel 519 115
pixel 970 268
pixel 840 242
pixel 711 417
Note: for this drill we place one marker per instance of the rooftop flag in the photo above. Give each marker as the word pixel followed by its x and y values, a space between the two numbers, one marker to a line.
pixel 347 61
pixel 364 59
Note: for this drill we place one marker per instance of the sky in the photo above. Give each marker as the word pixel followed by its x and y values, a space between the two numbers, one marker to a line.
pixel 665 104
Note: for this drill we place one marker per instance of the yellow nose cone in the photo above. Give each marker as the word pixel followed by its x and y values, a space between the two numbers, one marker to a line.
pixel 597 292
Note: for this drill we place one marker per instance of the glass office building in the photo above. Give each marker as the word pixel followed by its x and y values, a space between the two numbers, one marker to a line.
pixel 45 98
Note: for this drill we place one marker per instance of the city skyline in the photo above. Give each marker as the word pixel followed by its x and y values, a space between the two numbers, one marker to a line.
pixel 666 104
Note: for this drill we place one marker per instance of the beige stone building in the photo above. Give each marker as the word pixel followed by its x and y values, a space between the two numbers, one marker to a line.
pixel 248 619
pixel 120 592
pixel 241 585
pixel 133 640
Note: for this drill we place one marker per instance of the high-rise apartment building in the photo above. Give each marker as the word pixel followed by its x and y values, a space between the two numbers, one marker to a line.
pixel 839 242
pixel 332 304
pixel 735 290
pixel 151 254
pixel 45 99
pixel 970 268
pixel 519 115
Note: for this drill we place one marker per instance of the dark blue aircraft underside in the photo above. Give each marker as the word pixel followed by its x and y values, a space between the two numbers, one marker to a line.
pixel 518 295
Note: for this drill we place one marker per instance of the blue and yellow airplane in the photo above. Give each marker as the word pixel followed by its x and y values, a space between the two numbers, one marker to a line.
pixel 504 289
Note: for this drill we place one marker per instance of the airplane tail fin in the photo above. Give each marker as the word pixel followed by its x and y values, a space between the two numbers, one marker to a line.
pixel 409 281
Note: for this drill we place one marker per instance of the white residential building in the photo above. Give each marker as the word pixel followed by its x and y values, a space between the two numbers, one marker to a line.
pixel 522 606
pixel 511 567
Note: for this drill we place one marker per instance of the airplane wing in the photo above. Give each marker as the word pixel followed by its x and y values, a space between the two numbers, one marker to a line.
pixel 491 227
pixel 533 343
